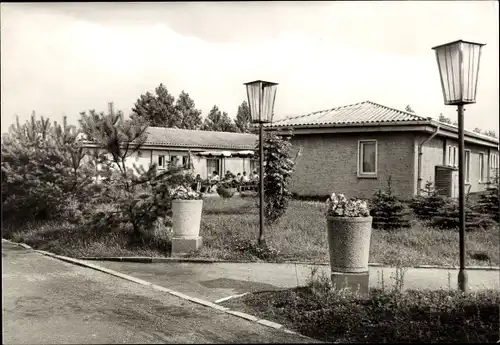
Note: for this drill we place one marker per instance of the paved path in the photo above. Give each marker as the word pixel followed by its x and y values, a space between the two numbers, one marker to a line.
pixel 47 301
pixel 213 281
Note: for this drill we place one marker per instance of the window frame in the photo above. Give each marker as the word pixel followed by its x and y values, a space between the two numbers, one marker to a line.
pixel 467 165
pixel 494 160
pixel 452 156
pixel 360 172
pixel 481 167
pixel 160 157
pixel 455 156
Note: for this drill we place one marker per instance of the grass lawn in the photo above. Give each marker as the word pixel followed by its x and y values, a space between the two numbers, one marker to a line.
pixel 385 316
pixel 299 236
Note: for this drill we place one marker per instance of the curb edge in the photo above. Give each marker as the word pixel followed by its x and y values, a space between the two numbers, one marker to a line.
pixel 148 259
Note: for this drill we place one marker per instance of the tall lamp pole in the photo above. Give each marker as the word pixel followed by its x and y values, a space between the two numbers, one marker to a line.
pixel 458 64
pixel 261 96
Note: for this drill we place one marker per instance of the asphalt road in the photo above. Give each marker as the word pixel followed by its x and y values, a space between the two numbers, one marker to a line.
pixel 49 301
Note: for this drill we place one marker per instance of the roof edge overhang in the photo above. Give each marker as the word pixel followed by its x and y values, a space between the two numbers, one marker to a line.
pixel 151 146
pixel 427 126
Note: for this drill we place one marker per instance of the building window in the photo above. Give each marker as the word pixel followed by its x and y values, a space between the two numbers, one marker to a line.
pixel 367 158
pixel 161 161
pixel 213 164
pixel 452 156
pixel 467 166
pixel 494 161
pixel 481 167
pixel 185 161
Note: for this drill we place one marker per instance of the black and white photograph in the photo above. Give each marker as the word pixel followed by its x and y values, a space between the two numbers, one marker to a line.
pixel 250 172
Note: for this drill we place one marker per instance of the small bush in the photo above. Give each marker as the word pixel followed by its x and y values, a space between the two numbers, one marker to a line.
pixel 387 211
pixel 489 201
pixel 443 212
pixel 426 205
pixel 447 217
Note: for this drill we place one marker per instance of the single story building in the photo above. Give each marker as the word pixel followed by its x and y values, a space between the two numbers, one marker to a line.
pixel 210 151
pixel 354 150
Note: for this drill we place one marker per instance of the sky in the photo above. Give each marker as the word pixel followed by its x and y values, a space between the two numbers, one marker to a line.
pixel 64 58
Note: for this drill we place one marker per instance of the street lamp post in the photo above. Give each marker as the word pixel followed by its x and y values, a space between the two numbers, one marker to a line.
pixel 458 64
pixel 261 96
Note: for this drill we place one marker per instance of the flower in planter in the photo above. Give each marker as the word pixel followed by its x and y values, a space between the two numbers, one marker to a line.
pixel 184 193
pixel 340 206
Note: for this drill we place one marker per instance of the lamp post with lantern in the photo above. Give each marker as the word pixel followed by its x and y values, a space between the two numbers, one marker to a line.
pixel 261 96
pixel 458 64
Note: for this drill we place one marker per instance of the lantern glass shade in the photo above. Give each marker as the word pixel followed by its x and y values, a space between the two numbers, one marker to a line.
pixel 261 95
pixel 458 64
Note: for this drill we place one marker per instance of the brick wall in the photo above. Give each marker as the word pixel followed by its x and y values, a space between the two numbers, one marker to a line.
pixel 328 163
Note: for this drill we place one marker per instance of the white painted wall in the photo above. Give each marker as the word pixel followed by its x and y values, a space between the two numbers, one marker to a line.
pixel 146 157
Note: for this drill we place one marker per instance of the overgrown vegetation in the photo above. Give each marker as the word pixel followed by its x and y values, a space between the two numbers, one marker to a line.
pixel 387 315
pixel 277 171
pixel 387 211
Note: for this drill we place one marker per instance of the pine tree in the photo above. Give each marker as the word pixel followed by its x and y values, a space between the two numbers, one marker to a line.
pixel 43 169
pixel 489 202
pixel 387 211
pixel 157 110
pixel 136 197
pixel 218 121
pixel 427 205
pixel 243 118
pixel 191 117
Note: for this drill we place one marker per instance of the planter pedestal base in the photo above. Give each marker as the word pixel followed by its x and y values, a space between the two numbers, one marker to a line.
pixel 182 246
pixel 359 282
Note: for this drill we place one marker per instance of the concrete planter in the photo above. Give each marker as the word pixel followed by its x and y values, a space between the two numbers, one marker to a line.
pixel 226 192
pixel 186 219
pixel 349 243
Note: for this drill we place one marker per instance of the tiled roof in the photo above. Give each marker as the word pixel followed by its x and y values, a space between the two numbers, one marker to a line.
pixel 360 113
pixel 364 113
pixel 202 139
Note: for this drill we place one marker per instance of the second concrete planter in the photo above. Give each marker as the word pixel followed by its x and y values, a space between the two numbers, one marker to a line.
pixel 349 243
